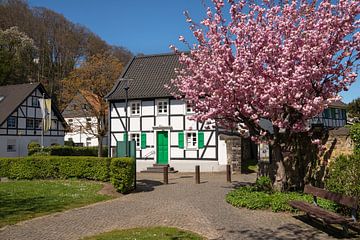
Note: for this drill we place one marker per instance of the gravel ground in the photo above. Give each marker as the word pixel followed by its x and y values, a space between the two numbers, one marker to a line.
pixel 182 203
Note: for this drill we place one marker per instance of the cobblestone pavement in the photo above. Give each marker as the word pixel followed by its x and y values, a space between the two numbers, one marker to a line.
pixel 182 203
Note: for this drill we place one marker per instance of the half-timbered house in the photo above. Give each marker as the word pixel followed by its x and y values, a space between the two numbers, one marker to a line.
pixel 21 119
pixel 159 123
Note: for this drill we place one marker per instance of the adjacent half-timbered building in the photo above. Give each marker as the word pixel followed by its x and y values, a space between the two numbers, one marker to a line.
pixel 332 117
pixel 21 120
pixel 80 116
pixel 159 123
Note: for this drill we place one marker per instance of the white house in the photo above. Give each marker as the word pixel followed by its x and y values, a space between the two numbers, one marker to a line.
pixel 158 122
pixel 82 124
pixel 161 127
pixel 21 119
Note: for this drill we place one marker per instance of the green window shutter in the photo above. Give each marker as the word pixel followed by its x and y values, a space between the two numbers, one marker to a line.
pixel 332 113
pixel 327 113
pixel 201 139
pixel 181 139
pixel 125 137
pixel 143 140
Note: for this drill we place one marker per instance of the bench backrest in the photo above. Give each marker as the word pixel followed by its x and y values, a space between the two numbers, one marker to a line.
pixel 350 202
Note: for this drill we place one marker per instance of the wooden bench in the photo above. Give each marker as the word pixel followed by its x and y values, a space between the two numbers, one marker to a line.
pixel 327 217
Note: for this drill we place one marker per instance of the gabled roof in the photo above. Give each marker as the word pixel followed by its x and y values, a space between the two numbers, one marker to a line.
pixel 74 108
pixel 338 104
pixel 15 95
pixel 149 76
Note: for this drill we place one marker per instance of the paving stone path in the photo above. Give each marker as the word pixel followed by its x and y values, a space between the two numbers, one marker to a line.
pixel 182 203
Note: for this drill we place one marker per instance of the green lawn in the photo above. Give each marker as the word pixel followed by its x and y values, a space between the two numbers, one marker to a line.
pixel 21 200
pixel 154 233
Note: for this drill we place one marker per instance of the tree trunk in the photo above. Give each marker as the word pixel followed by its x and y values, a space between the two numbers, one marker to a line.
pixel 278 168
pixel 100 148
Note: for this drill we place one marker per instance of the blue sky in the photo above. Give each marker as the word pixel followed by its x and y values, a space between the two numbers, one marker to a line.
pixel 142 26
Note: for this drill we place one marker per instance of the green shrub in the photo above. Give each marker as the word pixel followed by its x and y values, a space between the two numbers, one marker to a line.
pixel 119 170
pixel 58 150
pixel 344 175
pixel 252 198
pixel 51 167
pixel 122 174
pixel 33 147
pixel 355 136
pixel 264 183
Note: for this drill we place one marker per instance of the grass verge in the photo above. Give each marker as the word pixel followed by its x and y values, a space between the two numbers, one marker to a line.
pixel 21 200
pixel 253 198
pixel 152 233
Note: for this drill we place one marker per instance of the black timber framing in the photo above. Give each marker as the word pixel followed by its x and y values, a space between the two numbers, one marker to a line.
pixel 24 115
pixel 112 104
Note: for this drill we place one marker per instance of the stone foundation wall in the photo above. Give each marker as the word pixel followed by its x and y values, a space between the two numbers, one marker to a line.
pixel 338 142
pixel 238 151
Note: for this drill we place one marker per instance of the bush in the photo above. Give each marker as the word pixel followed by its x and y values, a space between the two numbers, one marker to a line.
pixel 355 136
pixel 122 174
pixel 33 147
pixel 66 151
pixel 52 167
pixel 264 183
pixel 344 175
pixel 119 170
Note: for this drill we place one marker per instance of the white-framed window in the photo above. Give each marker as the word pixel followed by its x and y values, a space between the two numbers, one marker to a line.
pixel 135 108
pixel 337 113
pixel 35 102
pixel 11 122
pixel 88 123
pixel 38 123
pixel 135 137
pixel 191 140
pixel 162 107
pixel 29 123
pixel 88 141
pixel 189 109
pixel 70 122
pixel 11 145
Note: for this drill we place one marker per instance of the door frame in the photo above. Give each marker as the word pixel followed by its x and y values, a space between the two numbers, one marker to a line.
pixel 162 129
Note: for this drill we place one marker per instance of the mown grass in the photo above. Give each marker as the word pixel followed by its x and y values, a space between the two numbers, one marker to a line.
pixel 21 200
pixel 153 233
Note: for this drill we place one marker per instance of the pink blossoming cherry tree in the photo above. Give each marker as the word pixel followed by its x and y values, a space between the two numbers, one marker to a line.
pixel 283 62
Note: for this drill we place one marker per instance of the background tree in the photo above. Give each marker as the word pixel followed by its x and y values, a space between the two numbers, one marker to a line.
pixel 61 45
pixel 17 53
pixel 278 63
pixel 92 80
pixel 353 108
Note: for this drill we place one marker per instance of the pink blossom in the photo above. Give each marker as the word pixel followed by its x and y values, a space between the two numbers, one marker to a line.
pixel 283 64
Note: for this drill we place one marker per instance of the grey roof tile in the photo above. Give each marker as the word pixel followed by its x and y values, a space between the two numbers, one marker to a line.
pixel 149 76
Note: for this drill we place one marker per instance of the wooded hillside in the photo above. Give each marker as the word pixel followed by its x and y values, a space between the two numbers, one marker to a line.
pixel 55 48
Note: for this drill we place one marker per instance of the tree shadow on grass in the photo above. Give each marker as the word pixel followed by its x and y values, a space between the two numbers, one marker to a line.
pixel 15 208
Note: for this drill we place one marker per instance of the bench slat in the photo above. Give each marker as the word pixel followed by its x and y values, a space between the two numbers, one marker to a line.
pixel 339 198
pixel 328 217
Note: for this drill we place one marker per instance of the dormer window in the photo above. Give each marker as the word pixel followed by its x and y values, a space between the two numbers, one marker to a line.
pixel 135 108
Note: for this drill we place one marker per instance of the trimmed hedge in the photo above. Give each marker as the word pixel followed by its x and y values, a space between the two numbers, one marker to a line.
pixel 119 170
pixel 122 174
pixel 65 151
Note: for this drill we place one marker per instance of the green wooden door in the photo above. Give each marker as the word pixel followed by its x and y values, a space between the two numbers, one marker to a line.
pixel 162 147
